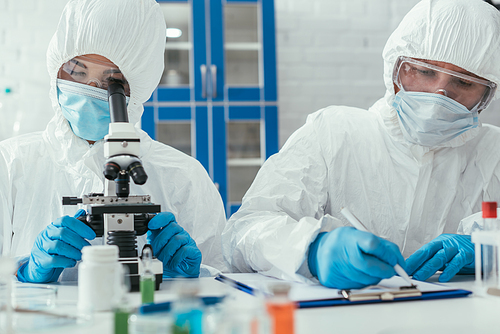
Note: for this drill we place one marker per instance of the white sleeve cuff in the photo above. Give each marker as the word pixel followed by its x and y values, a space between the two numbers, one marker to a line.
pixel 328 223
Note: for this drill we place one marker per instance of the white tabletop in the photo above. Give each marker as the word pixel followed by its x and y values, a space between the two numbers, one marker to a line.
pixel 458 315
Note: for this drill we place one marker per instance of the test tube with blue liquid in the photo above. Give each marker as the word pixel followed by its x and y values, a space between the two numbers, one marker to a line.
pixel 188 309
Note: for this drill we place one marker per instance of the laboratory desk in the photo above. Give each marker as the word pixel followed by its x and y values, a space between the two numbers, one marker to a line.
pixel 458 315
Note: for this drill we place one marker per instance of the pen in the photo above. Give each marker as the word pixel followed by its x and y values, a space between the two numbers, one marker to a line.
pixel 359 226
pixel 166 306
pixel 235 284
pixel 154 307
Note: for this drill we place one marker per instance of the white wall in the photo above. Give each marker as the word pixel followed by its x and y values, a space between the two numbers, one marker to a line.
pixel 26 27
pixel 328 51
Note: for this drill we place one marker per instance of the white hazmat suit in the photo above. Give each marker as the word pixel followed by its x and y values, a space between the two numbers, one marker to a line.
pixel 38 169
pixel 350 157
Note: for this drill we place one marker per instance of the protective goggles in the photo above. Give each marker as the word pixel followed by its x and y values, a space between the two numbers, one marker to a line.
pixel 413 75
pixel 92 72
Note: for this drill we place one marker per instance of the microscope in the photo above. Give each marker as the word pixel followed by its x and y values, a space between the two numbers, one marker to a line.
pixel 116 214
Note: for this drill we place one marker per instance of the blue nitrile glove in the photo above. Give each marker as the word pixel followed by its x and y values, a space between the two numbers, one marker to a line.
pixel 451 253
pixel 57 247
pixel 346 258
pixel 173 246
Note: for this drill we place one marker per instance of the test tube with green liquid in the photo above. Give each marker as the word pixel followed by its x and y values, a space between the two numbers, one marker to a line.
pixel 147 282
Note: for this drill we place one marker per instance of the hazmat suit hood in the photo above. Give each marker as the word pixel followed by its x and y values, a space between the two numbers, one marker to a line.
pixel 343 157
pixel 134 40
pixel 41 168
pixel 465 33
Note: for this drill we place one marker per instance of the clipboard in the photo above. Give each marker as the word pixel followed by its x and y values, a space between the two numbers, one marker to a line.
pixel 308 296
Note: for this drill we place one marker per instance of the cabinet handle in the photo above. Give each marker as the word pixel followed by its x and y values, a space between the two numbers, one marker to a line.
pixel 203 70
pixel 213 70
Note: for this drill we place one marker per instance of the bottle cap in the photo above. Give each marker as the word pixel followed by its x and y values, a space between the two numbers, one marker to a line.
pixel 489 209
pixel 100 253
pixel 280 289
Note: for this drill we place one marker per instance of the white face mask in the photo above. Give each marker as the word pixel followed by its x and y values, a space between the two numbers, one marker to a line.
pixel 430 119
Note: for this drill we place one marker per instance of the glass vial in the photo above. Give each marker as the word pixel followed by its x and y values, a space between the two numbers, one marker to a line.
pixel 487 247
pixel 490 252
pixel 187 310
pixel 244 314
pixel 122 308
pixel 147 282
pixel 281 309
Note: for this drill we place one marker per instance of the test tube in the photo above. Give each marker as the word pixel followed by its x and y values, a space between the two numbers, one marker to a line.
pixel 147 282
pixel 188 309
pixel 487 248
pixel 490 263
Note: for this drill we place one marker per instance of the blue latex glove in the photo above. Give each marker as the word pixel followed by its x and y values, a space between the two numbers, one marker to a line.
pixel 57 247
pixel 346 258
pixel 451 253
pixel 173 246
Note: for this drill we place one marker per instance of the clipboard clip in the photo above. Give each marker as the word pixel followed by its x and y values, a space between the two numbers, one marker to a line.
pixel 383 295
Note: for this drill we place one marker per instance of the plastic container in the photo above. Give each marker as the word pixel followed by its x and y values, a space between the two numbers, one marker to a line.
pixel 34 297
pixel 99 279
pixel 37 310
pixel 487 246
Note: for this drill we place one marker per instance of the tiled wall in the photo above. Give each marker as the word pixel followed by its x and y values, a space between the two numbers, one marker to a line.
pixel 26 28
pixel 328 51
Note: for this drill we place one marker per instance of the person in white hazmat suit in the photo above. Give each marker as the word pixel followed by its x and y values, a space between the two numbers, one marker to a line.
pixel 95 43
pixel 410 168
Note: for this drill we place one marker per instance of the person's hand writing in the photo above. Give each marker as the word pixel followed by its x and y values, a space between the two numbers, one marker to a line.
pixel 346 258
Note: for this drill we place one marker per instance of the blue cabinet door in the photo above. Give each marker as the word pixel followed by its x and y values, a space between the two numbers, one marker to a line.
pixel 217 49
pixel 185 53
pixel 233 48
pixel 217 99
pixel 244 136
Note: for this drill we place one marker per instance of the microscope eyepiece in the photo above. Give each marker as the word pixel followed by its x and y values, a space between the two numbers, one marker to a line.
pixel 117 103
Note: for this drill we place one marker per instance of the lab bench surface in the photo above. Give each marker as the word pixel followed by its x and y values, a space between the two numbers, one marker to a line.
pixel 457 315
pixel 444 316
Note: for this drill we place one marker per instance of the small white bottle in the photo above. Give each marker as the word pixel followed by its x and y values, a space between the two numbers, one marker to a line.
pixel 99 282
